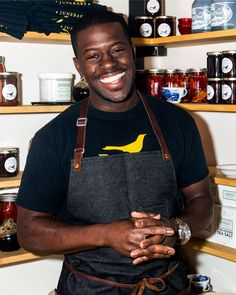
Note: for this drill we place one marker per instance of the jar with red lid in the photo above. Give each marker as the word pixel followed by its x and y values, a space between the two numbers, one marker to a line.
pixel 197 85
pixel 229 90
pixel 154 82
pixel 214 90
pixel 8 216
pixel 154 7
pixel 9 161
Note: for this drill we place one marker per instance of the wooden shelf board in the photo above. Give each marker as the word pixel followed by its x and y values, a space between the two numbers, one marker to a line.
pixel 14 257
pixel 212 248
pixel 9 182
pixel 205 107
pixel 190 39
pixel 23 109
pixel 218 178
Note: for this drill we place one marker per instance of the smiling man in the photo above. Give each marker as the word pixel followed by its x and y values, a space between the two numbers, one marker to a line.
pixel 117 182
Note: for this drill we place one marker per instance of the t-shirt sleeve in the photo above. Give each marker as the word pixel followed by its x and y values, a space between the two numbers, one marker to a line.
pixel 43 186
pixel 193 167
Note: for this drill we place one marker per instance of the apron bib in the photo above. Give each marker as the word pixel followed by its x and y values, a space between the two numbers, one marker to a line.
pixel 105 189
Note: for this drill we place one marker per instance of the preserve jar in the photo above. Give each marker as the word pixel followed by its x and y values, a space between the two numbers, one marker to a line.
pixel 170 79
pixel 229 90
pixel 145 27
pixel 197 85
pixel 2 64
pixel 9 88
pixel 8 216
pixel 181 79
pixel 154 82
pixel 9 162
pixel 140 76
pixel 154 7
pixel 214 90
pixel 229 64
pixel 165 26
pixel 214 60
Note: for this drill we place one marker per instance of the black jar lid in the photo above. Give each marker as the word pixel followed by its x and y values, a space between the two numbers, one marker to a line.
pixel 215 79
pixel 214 53
pixel 229 52
pixel 143 17
pixel 165 17
pixel 9 74
pixel 230 79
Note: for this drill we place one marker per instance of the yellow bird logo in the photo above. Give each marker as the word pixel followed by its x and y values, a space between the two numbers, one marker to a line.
pixel 133 147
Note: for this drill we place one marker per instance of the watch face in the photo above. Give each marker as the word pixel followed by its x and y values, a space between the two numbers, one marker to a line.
pixel 184 232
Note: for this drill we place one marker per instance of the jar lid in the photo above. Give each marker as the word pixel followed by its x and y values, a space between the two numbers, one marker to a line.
pixel 214 53
pixel 9 74
pixel 170 71
pixel 55 76
pixel 2 59
pixel 166 17
pixel 144 17
pixel 230 79
pixel 156 71
pixel 8 150
pixel 229 52
pixel 182 70
pixel 8 197
pixel 215 79
pixel 198 70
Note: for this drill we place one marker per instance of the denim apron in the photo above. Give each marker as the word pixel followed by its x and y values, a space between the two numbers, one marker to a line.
pixel 106 189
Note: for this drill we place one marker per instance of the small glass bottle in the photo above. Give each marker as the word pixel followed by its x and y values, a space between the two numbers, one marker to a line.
pixel 201 16
pixel 2 64
pixel 8 215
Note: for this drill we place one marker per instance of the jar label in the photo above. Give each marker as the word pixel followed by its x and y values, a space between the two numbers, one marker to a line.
pixel 227 65
pixel 10 165
pixel 153 6
pixel 9 91
pixel 164 30
pixel 210 92
pixel 7 228
pixel 146 30
pixel 221 13
pixel 201 17
pixel 226 92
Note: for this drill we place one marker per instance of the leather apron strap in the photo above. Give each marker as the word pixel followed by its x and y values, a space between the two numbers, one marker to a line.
pixel 81 132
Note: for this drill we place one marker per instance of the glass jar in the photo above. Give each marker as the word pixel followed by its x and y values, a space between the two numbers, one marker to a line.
pixel 154 7
pixel 154 82
pixel 145 27
pixel 229 90
pixel 9 162
pixel 2 64
pixel 197 85
pixel 201 16
pixel 165 26
pixel 9 88
pixel 181 79
pixel 229 64
pixel 170 79
pixel 8 216
pixel 223 15
pixel 214 90
pixel 214 60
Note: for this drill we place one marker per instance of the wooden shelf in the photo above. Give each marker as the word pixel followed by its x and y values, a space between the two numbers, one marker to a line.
pixel 10 182
pixel 218 178
pixel 30 109
pixel 212 248
pixel 14 257
pixel 205 107
pixel 188 40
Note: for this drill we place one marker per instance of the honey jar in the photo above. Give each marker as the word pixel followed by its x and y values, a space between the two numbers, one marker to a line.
pixel 9 162
pixel 9 88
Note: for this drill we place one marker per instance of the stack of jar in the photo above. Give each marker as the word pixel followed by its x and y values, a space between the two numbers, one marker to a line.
pixel 155 23
pixel 213 15
pixel 9 86
pixel 191 84
pixel 221 72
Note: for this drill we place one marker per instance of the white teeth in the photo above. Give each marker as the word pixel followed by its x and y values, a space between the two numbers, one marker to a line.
pixel 112 79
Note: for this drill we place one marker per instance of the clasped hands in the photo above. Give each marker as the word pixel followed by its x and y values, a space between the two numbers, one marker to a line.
pixel 144 237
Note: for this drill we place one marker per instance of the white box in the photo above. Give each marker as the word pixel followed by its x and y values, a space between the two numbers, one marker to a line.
pixel 225 225
pixel 226 195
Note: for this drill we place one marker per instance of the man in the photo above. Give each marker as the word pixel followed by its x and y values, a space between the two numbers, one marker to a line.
pixel 119 189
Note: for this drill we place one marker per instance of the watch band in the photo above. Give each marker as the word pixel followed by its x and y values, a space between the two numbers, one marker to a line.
pixel 183 231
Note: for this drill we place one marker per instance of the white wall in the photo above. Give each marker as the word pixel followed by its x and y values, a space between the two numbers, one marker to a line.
pixel 30 59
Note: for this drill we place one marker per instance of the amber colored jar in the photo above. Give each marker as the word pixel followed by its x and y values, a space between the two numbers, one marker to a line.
pixel 154 7
pixel 229 64
pixel 165 26
pixel 181 79
pixel 154 82
pixel 229 90
pixel 2 64
pixel 170 79
pixel 197 85
pixel 214 90
pixel 8 216
pixel 140 76
pixel 9 162
pixel 9 88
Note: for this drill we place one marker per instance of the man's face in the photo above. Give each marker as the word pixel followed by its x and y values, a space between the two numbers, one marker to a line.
pixel 105 58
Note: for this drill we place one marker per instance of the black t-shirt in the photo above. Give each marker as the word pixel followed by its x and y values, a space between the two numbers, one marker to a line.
pixel 46 176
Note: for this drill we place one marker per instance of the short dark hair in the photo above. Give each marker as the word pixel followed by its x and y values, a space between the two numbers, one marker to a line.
pixel 97 18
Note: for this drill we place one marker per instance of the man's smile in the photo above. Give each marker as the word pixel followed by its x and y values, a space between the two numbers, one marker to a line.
pixel 112 79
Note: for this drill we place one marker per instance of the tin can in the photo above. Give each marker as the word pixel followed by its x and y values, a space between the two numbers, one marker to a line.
pixel 214 90
pixel 9 162
pixel 197 85
pixel 8 216
pixel 154 82
pixel 229 64
pixel 165 26
pixel 154 7
pixel 9 88
pixel 145 27
pixel 214 64
pixel 229 90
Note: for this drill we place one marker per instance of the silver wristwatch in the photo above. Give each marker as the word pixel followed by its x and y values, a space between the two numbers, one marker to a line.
pixel 183 231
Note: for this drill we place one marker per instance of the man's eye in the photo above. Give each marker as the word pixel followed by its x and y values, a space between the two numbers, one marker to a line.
pixel 92 56
pixel 118 50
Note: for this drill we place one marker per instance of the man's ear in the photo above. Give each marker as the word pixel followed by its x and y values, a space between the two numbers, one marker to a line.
pixel 77 65
pixel 134 52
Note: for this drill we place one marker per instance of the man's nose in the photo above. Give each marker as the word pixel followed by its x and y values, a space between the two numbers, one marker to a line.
pixel 108 61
